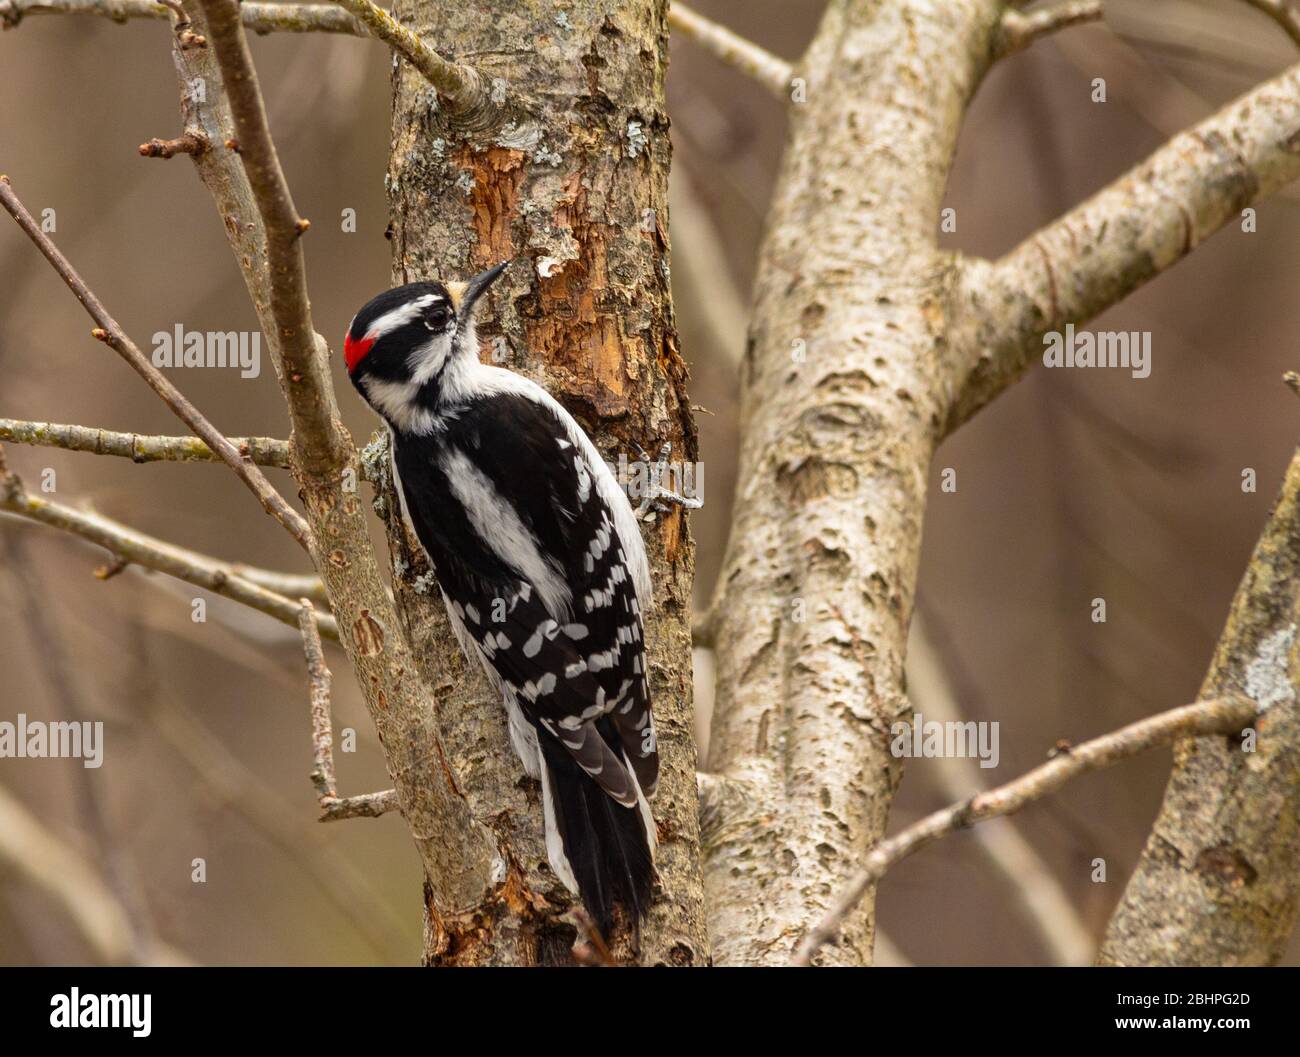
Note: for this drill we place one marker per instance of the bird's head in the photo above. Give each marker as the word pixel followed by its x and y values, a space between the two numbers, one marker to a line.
pixel 404 339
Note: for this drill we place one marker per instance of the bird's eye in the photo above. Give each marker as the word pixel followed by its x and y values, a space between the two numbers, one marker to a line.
pixel 437 318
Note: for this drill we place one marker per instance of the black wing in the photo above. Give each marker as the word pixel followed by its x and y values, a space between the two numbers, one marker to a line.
pixel 567 666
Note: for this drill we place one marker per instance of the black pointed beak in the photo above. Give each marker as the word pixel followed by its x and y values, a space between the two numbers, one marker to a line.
pixel 476 287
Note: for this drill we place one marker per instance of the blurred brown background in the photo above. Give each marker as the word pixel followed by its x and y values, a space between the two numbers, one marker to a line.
pixel 1075 485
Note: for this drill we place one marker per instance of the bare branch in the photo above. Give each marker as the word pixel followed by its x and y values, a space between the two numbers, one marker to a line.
pixel 264 451
pixel 259 17
pixel 367 805
pixel 465 90
pixel 457 851
pixel 291 585
pixel 1125 235
pixel 463 87
pixel 1017 31
pixel 150 553
pixel 1283 13
pixel 108 331
pixel 771 72
pixel 1225 716
pixel 302 352
pixel 318 677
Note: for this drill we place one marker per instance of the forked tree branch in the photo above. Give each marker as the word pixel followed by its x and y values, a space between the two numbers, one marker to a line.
pixel 1017 30
pixel 464 88
pixel 1225 716
pixel 302 353
pixel 108 331
pixel 150 553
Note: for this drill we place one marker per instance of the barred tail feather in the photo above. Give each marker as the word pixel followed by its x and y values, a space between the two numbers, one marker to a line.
pixel 597 846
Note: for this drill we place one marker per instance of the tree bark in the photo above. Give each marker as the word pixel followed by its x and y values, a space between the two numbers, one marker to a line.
pixel 846 390
pixel 1219 880
pixel 571 184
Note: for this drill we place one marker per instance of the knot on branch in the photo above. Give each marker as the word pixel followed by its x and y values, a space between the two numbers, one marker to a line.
pixel 193 143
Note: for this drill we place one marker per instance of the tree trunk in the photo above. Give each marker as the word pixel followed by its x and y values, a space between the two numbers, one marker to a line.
pixel 1219 880
pixel 846 392
pixel 572 185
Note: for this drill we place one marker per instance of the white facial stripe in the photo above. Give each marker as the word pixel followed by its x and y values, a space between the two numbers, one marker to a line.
pixel 399 317
pixel 426 360
pixel 396 402
pixel 497 523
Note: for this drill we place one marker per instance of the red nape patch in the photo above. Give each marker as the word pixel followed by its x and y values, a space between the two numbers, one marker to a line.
pixel 355 351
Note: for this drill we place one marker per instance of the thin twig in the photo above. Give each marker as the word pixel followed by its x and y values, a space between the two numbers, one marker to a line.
pixel 333 807
pixel 1017 31
pixel 1059 924
pixel 1283 13
pixel 264 451
pixel 291 585
pixel 1206 717
pixel 771 72
pixel 150 553
pixel 259 17
pixel 108 331
pixel 318 680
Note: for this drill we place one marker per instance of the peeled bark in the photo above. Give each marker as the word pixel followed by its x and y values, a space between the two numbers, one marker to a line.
pixel 569 180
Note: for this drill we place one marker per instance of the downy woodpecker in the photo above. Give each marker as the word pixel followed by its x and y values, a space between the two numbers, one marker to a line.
pixel 542 568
